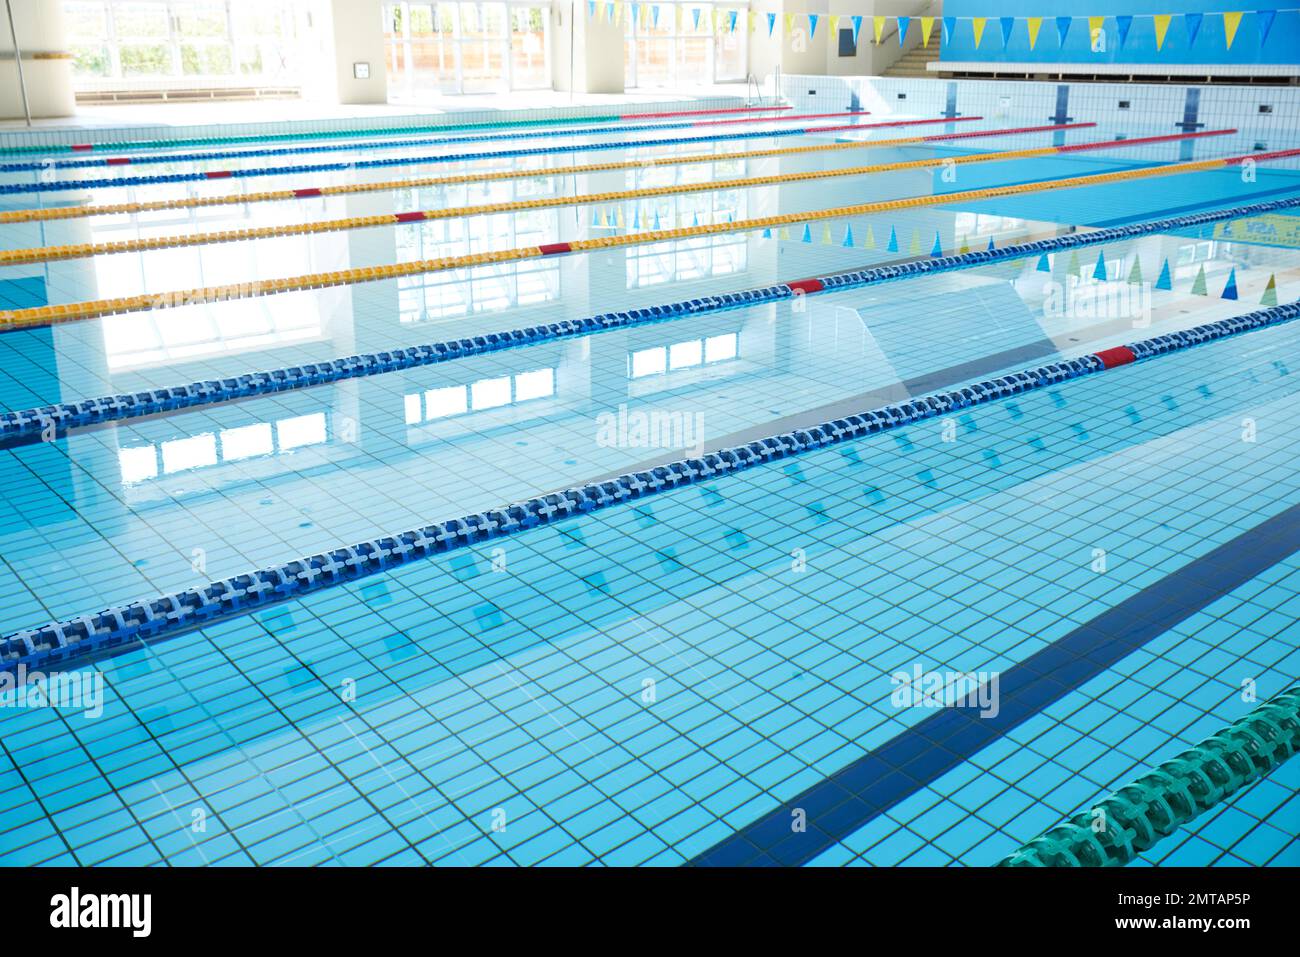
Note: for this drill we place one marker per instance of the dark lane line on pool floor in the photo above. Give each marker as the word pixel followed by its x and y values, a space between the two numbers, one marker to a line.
pixel 839 805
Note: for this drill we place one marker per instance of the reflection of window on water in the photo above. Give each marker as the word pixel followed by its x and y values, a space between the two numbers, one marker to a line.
pixel 983 224
pixel 479 396
pixel 687 354
pixel 445 295
pixel 696 257
pixel 237 325
pixel 140 462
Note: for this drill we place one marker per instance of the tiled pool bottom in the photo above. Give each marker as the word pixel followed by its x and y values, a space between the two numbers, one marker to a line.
pixel 634 686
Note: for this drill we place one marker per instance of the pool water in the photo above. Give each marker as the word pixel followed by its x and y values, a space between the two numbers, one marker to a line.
pixel 651 682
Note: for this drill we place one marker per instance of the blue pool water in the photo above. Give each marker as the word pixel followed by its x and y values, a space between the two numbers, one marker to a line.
pixel 648 683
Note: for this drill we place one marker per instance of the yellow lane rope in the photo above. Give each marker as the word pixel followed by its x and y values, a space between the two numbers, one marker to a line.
pixel 280 195
pixel 37 254
pixel 49 315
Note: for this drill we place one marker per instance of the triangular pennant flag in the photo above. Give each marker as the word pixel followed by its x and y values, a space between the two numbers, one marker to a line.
pixel 1264 20
pixel 1230 23
pixel 949 25
pixel 1063 28
pixel 937 251
pixel 977 28
pixel 1095 25
pixel 915 246
pixel 869 241
pixel 1034 24
pixel 848 236
pixel 731 20
pixel 636 218
pixel 591 9
pixel 1073 269
pixel 903 24
pixel 1230 289
pixel 696 15
pixel 1044 264
pixel 656 226
pixel 807 233
pixel 1161 21
pixel 1135 274
pixel 965 247
pixel 1100 271
pixel 753 20
pixel 827 239
pixel 1193 23
pixel 771 23
pixel 1008 24
pixel 1198 285
pixel 654 15
pixel 1164 282
pixel 707 17
pixel 857 27
pixel 892 245
pixel 789 23
pixel 1122 26
pixel 767 233
pixel 785 232
pixel 835 25
pixel 878 26
pixel 927 27
pixel 609 12
pixel 1270 293
pixel 991 246
pixel 595 219
pixel 812 25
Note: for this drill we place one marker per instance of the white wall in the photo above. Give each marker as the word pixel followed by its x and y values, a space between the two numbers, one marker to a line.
pixel 346 32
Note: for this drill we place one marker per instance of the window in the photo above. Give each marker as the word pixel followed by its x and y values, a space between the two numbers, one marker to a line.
pixel 467 47
pixel 678 45
pixel 148 39
pixel 139 463
pixel 484 394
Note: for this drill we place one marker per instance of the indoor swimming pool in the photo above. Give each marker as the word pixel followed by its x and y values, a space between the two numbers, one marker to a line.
pixel 850 389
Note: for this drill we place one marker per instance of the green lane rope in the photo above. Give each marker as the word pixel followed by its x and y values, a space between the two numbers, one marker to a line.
pixel 1134 818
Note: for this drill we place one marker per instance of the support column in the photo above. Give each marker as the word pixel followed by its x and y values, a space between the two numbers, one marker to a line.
pixel 47 64
pixel 347 33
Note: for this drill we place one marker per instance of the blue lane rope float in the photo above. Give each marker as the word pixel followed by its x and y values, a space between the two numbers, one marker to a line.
pixel 69 642
pixel 104 161
pixel 62 185
pixel 29 425
pixel 1137 816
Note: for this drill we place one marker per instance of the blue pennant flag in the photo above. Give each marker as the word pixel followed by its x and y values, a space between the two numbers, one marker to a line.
pixel 1164 282
pixel 654 16
pixel 771 23
pixel 731 21
pixel 903 24
pixel 807 233
pixel 1193 21
pixel 1265 19
pixel 696 13
pixel 1123 24
pixel 857 25
pixel 892 245
pixel 937 251
pixel 1063 28
pixel 1100 271
pixel 812 25
pixel 949 25
pixel 1008 24
pixel 1044 264
pixel 591 9
pixel 1230 290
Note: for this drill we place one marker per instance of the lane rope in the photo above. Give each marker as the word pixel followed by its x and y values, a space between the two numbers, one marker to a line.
pixel 349 189
pixel 52 421
pixel 41 165
pixel 1159 802
pixel 67 643
pixel 64 185
pixel 68 312
pixel 38 254
pixel 358 133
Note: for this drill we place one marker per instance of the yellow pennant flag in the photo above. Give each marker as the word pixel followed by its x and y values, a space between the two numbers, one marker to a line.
pixel 827 240
pixel 789 23
pixel 753 21
pixel 617 13
pixel 927 27
pixel 1035 24
pixel 1162 27
pixel 835 26
pixel 1230 23
pixel 1094 28
pixel 878 25
pixel 977 25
